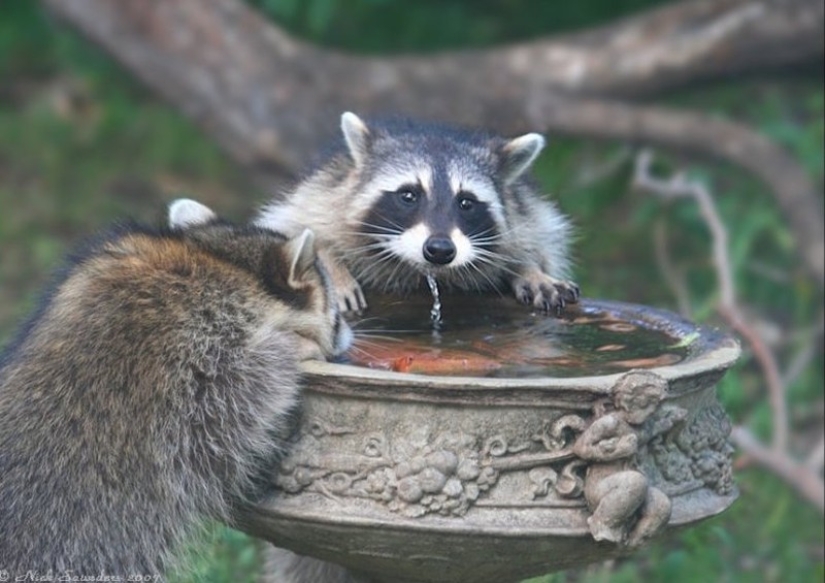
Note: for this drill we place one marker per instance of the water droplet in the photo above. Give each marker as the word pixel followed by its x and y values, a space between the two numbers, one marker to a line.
pixel 435 312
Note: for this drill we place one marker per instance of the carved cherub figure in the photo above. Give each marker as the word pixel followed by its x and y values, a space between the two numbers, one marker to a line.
pixel 625 507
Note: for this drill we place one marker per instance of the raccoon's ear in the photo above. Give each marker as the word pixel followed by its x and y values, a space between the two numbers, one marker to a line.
pixel 185 212
pixel 302 251
pixel 356 135
pixel 518 154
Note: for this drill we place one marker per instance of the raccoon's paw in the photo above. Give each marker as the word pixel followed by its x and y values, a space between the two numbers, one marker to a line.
pixel 545 293
pixel 350 298
pixel 347 291
pixel 348 294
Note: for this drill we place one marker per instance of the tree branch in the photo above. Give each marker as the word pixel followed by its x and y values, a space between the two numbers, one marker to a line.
pixel 673 278
pixel 220 53
pixel 776 458
pixel 679 186
pixel 801 477
pixel 267 98
pixel 702 134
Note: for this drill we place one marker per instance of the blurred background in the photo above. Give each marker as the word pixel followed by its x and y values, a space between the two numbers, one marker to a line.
pixel 83 142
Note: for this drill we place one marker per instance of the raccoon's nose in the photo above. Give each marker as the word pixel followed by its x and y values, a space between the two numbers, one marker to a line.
pixel 439 250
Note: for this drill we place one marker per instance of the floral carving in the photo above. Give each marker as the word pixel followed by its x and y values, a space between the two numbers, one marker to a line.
pixel 705 443
pixel 446 480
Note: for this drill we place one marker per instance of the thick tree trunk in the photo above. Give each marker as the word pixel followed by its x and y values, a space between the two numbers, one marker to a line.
pixel 268 98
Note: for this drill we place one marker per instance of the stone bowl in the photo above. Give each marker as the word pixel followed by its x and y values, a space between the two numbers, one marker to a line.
pixel 408 477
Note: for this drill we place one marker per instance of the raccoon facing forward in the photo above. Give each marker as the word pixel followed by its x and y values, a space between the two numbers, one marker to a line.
pixel 157 377
pixel 399 199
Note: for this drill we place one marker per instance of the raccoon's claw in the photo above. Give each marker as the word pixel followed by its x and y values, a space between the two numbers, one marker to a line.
pixel 545 293
pixel 569 291
pixel 349 296
pixel 351 300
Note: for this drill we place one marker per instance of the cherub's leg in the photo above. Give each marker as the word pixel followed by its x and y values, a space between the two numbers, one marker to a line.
pixel 655 514
pixel 614 501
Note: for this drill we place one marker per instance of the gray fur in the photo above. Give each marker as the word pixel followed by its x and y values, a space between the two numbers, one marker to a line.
pixel 529 252
pixel 154 384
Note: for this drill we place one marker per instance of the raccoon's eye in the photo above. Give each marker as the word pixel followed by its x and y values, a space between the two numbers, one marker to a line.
pixel 466 203
pixel 407 195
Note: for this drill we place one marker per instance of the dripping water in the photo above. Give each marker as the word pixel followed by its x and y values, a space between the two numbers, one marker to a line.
pixel 435 311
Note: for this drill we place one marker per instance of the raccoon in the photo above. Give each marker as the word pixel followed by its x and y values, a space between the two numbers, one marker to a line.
pixel 152 387
pixel 397 200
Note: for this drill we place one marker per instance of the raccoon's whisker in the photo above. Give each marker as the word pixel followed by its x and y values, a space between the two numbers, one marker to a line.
pixel 377 262
pixel 490 256
pixel 362 343
pixel 368 235
pixel 393 227
pixel 395 270
pixel 388 236
pixel 388 334
pixel 383 251
pixel 370 332
pixel 381 244
pixel 464 277
pixel 476 268
pixel 496 260
pixel 498 233
pixel 485 240
pixel 482 240
pixel 404 276
pixel 362 321
pixel 364 239
pixel 490 233
pixel 356 350
pixel 498 267
pixel 376 237
pixel 390 224
pixel 371 339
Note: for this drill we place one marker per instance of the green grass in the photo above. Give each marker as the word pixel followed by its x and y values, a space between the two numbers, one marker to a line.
pixel 82 144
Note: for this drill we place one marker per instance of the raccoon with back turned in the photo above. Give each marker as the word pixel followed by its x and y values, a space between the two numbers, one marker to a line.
pixel 153 390
pixel 397 200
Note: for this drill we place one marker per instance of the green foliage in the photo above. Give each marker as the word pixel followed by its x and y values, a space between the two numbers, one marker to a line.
pixel 227 555
pixel 382 26
pixel 81 143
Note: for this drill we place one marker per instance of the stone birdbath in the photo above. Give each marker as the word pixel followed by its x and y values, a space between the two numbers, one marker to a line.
pixel 550 444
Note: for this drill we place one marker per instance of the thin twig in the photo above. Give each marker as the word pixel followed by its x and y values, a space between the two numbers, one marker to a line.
pixel 673 277
pixel 816 459
pixel 770 368
pixel 799 476
pixel 811 340
pixel 804 477
pixel 679 186
pixel 593 173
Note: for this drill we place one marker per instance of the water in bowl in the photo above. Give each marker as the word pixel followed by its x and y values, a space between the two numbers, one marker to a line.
pixel 483 336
